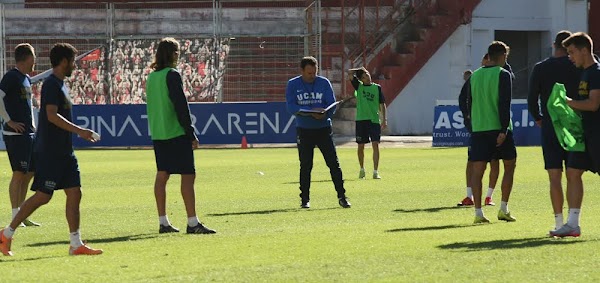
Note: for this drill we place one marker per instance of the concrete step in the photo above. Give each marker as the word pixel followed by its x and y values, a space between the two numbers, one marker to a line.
pixel 344 128
pixel 346 114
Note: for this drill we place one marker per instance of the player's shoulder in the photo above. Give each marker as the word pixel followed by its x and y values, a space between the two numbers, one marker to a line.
pixel 294 79
pixel 52 82
pixel 12 74
pixel 322 78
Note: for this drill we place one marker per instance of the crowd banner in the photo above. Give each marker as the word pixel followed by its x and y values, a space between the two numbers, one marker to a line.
pixel 449 129
pixel 215 123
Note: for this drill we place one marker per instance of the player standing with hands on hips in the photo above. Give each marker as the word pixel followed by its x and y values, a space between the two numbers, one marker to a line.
pixel 173 136
pixel 57 167
pixel 307 96
pixel 19 125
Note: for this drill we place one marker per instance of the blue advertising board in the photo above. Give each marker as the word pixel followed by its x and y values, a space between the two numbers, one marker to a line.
pixel 449 129
pixel 216 123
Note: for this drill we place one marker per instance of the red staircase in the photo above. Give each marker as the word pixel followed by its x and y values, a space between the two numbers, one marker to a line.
pixel 426 31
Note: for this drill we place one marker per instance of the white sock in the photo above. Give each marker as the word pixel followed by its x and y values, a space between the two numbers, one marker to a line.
pixel 470 192
pixel 164 220
pixel 573 219
pixel 559 220
pixel 374 171
pixel 75 239
pixel 14 212
pixel 478 212
pixel 9 232
pixel 362 169
pixel 490 192
pixel 193 221
pixel 504 206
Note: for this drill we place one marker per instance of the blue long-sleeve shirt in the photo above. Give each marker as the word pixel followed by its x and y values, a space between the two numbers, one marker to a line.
pixel 302 95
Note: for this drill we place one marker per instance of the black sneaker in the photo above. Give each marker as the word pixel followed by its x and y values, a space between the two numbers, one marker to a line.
pixel 200 229
pixel 167 229
pixel 305 204
pixel 344 202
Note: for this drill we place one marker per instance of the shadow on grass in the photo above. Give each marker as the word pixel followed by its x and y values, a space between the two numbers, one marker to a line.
pixel 259 212
pixel 319 181
pixel 431 209
pixel 32 258
pixel 431 228
pixel 101 240
pixel 508 244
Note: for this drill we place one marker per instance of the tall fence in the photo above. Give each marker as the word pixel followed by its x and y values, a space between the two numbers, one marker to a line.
pixel 230 50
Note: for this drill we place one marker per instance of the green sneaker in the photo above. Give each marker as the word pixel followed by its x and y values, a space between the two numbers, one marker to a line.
pixel 376 176
pixel 505 216
pixel 481 220
pixel 361 174
pixel 30 223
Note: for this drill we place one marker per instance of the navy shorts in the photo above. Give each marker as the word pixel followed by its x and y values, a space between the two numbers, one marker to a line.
pixel 588 160
pixel 175 156
pixel 367 131
pixel 554 154
pixel 494 157
pixel 483 147
pixel 55 172
pixel 20 152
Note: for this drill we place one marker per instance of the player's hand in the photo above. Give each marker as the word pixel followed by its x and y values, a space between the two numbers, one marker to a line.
pixel 17 126
pixel 569 101
pixel 500 139
pixel 87 135
pixel 318 116
pixel 195 143
pixel 539 123
pixel 384 124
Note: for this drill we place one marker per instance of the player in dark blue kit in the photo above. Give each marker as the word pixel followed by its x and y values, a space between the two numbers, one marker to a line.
pixel 587 101
pixel 555 69
pixel 19 126
pixel 310 92
pixel 57 166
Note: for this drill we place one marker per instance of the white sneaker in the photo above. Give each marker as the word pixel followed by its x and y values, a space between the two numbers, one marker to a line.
pixel 566 231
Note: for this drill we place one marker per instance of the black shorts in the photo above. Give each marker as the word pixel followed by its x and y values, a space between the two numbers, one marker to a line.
pixel 483 147
pixel 55 172
pixel 588 160
pixel 20 152
pixel 175 156
pixel 494 156
pixel 554 154
pixel 367 131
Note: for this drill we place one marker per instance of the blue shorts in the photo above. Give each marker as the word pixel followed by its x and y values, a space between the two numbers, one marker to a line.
pixel 554 154
pixel 175 156
pixel 56 172
pixel 20 152
pixel 367 131
pixel 483 147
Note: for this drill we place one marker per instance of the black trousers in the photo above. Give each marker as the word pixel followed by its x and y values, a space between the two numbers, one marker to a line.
pixel 322 138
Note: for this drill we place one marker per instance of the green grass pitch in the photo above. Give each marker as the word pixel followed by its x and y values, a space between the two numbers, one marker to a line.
pixel 403 228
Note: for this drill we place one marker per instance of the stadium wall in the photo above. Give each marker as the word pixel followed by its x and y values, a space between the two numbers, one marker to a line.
pixel 411 113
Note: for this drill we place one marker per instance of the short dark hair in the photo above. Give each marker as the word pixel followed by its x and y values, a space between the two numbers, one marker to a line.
pixel 560 37
pixel 579 40
pixel 62 51
pixel 308 60
pixel 22 51
pixel 497 49
pixel 486 56
pixel 164 53
pixel 360 72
